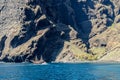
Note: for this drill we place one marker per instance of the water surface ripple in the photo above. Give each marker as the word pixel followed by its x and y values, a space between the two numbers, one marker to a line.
pixel 60 71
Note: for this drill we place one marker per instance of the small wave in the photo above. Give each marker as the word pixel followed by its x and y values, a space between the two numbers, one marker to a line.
pixel 41 64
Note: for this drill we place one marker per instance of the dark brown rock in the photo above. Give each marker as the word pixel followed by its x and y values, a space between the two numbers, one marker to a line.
pixel 58 30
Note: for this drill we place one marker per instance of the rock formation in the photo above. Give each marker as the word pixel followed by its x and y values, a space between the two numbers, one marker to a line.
pixel 59 30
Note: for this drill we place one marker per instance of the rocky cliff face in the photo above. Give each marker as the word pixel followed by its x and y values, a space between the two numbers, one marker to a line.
pixel 59 30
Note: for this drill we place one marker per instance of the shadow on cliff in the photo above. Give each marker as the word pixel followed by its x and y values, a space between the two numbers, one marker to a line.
pixel 48 46
pixel 83 22
pixel 2 44
pixel 109 15
pixel 74 14
pixel 78 18
pixel 82 19
pixel 30 27
pixel 29 31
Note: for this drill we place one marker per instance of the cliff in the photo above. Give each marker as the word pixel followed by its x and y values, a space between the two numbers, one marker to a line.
pixel 59 30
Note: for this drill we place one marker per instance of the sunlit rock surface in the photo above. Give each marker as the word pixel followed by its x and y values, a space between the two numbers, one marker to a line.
pixel 59 30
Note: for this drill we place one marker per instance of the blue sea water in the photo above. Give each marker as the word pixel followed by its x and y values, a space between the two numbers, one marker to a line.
pixel 60 71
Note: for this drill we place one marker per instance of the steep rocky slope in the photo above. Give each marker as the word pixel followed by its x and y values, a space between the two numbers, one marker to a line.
pixel 59 30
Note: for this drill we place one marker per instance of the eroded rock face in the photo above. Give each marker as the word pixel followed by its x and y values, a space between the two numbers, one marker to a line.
pixel 58 30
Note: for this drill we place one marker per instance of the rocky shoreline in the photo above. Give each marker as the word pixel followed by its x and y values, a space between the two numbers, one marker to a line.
pixel 77 62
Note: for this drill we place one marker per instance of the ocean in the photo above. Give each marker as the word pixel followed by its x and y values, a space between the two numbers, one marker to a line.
pixel 60 71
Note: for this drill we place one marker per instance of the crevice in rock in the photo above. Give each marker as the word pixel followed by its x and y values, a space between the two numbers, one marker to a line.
pixel 2 43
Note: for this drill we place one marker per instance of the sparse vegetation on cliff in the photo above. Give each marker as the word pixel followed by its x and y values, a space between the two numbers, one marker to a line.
pixel 58 30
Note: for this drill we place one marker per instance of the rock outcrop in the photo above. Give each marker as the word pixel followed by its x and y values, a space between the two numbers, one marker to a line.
pixel 59 30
